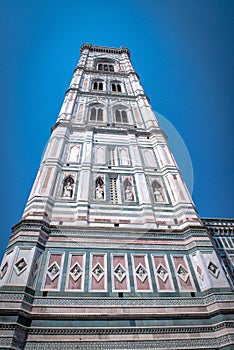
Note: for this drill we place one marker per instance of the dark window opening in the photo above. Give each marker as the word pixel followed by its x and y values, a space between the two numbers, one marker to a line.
pixel 105 67
pixel 121 116
pixel 97 85
pixel 96 114
pixel 116 87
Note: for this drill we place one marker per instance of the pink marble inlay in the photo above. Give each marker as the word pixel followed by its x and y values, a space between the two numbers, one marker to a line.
pixel 98 261
pixel 163 283
pixel 53 284
pixel 76 283
pixel 185 281
pixel 143 282
pixel 121 282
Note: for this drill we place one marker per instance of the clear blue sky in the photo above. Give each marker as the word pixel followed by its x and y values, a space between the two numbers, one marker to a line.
pixel 183 51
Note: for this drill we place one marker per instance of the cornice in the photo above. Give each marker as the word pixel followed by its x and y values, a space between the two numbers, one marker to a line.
pixel 107 94
pixel 104 49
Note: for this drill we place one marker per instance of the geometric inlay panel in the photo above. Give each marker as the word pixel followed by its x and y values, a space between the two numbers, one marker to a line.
pixel 182 273
pixel 213 269
pixel 141 275
pixel 76 271
pixel 98 275
pixel 53 271
pixel 98 272
pixel 20 266
pixel 162 273
pixel 141 272
pixel 120 272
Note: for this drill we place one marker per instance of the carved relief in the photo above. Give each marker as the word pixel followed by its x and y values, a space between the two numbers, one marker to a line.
pixel 20 266
pixel 120 272
pixel 76 271
pixel 182 273
pixel 98 272
pixel 141 272
pixel 213 269
pixel 162 273
pixel 53 271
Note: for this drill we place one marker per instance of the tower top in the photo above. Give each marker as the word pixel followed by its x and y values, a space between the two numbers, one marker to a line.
pixel 105 49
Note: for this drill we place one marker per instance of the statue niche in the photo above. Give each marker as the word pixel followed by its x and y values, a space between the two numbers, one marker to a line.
pixel 128 190
pixel 158 191
pixel 68 184
pixel 99 188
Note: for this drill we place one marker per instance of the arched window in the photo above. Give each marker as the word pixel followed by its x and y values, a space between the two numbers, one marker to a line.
pixel 124 157
pixel 116 87
pixel 97 85
pixel 96 114
pixel 121 116
pixel 124 117
pixel 74 154
pixel 100 114
pixel 117 116
pixel 68 184
pixel 106 67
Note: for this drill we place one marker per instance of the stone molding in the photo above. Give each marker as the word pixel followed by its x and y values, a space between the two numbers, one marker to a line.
pixel 134 302
pixel 205 343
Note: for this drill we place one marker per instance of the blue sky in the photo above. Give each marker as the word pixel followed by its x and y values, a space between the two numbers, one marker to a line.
pixel 183 51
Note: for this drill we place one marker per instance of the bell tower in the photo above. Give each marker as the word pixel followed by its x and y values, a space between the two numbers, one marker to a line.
pixel 110 252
